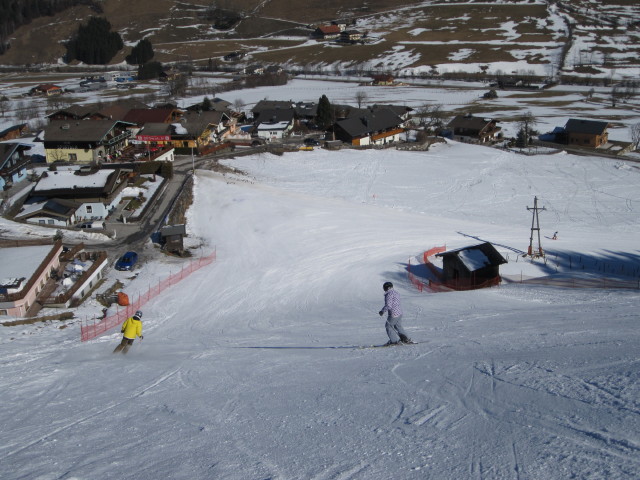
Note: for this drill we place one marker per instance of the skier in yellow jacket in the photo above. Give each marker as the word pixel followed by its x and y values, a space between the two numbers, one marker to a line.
pixel 131 328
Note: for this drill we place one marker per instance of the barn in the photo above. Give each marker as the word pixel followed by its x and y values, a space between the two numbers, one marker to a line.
pixel 476 266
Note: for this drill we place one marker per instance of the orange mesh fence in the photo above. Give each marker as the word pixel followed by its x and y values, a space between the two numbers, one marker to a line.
pixel 574 282
pixel 92 328
pixel 429 285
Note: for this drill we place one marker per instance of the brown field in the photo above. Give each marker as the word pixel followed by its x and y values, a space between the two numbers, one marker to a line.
pixel 435 33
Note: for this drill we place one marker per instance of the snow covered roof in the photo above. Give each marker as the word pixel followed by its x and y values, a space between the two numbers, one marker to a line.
pixel 476 257
pixel 70 179
pixel 273 126
pixel 21 262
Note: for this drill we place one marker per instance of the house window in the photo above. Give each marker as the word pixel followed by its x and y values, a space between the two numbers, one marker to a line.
pixel 89 209
pixel 41 222
pixel 50 222
pixel 4 312
pixel 73 157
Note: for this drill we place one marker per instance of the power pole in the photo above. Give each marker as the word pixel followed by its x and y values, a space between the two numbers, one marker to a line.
pixel 535 226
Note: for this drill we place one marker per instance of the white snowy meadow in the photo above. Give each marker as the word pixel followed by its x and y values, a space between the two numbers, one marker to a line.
pixel 251 368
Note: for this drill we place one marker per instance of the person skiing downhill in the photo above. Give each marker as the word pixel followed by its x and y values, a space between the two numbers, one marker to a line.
pixel 392 308
pixel 131 328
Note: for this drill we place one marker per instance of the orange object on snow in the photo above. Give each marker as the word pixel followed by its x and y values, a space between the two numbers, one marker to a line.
pixel 123 299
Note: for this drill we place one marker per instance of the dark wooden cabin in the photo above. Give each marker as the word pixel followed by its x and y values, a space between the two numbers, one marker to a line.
pixel 466 268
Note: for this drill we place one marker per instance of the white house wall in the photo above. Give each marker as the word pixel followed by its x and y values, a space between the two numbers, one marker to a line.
pixel 50 222
pixel 91 281
pixel 92 211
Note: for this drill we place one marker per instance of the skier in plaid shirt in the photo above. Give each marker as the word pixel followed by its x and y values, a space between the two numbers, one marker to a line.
pixel 392 308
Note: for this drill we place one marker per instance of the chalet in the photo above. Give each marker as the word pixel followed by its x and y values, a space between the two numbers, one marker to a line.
pixel 140 116
pixel 217 104
pixel 117 111
pixel 271 110
pixel 401 111
pixel 77 112
pixel 305 111
pixel 197 129
pixel 16 131
pixel 13 163
pixel 274 70
pixel 237 134
pixel 254 70
pixel 280 111
pixel 154 134
pixel 477 266
pixel 467 128
pixel 276 130
pixel 383 80
pixel 54 212
pixel 350 36
pixel 66 197
pixel 170 74
pixel 586 133
pixel 371 127
pixel 85 141
pixel 328 32
pixel 25 272
pixel 47 89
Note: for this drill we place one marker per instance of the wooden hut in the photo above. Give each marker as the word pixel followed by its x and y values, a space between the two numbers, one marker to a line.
pixel 477 266
pixel 172 236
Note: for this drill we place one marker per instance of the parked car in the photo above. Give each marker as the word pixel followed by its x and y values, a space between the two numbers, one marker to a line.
pixel 311 142
pixel 127 261
pixel 92 225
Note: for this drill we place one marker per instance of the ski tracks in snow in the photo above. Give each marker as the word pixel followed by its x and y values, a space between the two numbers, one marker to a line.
pixel 92 414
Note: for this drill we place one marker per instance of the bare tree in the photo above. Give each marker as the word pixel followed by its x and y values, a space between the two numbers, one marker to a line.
pixel 239 105
pixel 4 105
pixel 525 130
pixel 431 116
pixel 178 85
pixel 635 135
pixel 361 97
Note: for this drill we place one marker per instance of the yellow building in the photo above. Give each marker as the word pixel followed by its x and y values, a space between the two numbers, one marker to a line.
pixel 84 141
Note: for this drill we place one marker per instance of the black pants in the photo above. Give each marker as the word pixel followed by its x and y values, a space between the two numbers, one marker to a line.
pixel 124 346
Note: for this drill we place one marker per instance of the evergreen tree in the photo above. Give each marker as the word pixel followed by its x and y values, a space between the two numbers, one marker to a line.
pixel 522 139
pixel 206 104
pixel 141 53
pixel 94 43
pixel 15 13
pixel 149 71
pixel 325 117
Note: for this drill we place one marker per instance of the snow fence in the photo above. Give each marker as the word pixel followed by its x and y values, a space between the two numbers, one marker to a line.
pixel 90 329
pixel 419 284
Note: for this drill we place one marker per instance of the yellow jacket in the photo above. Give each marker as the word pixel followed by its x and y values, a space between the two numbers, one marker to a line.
pixel 132 328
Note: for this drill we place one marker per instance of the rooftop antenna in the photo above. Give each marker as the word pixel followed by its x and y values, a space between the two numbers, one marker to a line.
pixel 535 226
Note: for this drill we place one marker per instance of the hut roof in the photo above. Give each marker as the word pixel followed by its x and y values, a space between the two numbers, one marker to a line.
pixel 476 257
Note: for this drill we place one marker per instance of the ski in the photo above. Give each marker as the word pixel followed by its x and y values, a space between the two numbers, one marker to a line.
pixel 387 345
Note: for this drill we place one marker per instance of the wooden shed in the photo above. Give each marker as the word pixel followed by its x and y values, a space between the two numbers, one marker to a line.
pixel 476 266
pixel 171 237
